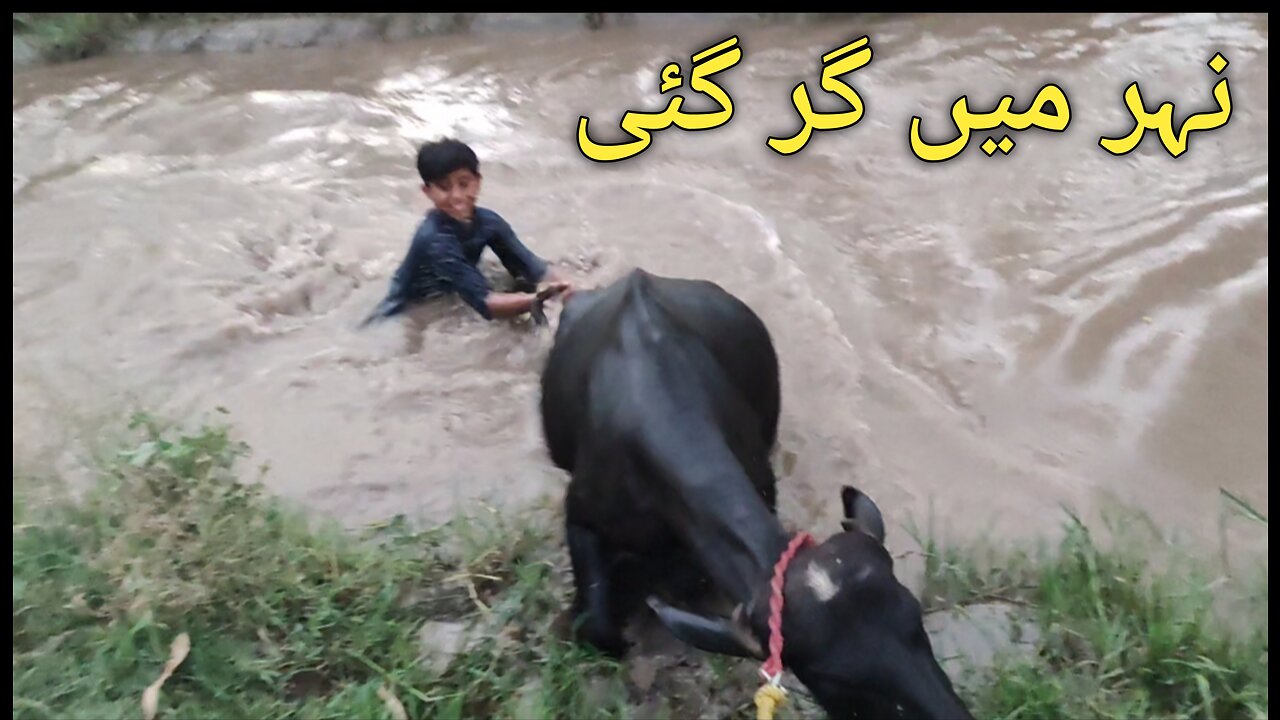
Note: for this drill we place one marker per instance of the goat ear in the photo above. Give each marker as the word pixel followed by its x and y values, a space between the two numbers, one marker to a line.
pixel 722 636
pixel 861 513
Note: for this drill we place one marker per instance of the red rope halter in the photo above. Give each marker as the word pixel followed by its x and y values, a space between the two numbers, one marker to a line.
pixel 772 668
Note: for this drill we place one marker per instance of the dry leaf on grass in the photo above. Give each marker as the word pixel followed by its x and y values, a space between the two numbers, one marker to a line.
pixel 151 696
pixel 394 706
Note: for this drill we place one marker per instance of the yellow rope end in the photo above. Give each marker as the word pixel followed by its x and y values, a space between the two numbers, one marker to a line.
pixel 768 698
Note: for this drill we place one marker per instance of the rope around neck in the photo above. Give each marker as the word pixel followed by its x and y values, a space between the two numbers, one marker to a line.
pixel 771 694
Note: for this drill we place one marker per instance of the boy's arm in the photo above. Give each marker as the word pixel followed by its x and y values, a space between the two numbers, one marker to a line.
pixel 518 259
pixel 466 280
pixel 397 297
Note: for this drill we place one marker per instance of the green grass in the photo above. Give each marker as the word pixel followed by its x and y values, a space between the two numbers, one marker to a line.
pixel 70 36
pixel 286 619
pixel 294 618
pixel 1118 638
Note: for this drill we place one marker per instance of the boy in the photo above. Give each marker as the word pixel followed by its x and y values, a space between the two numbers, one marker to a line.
pixel 448 244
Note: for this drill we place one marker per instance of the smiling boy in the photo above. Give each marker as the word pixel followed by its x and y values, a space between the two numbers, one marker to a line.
pixel 447 246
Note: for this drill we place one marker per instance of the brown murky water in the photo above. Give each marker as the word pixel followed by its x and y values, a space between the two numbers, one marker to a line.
pixel 987 336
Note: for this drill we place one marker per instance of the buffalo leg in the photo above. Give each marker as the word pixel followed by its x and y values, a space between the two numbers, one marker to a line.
pixel 591 569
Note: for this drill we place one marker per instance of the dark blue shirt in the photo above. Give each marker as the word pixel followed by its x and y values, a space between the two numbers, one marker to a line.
pixel 443 259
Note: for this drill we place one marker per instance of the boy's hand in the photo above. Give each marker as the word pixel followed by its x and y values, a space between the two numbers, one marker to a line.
pixel 557 287
pixel 549 290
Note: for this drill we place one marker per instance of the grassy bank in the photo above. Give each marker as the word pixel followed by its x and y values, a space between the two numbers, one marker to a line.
pixel 285 618
pixel 1116 637
pixel 290 618
pixel 61 37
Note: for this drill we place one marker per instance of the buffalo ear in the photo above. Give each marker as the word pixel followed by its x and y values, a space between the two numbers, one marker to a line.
pixel 721 636
pixel 861 513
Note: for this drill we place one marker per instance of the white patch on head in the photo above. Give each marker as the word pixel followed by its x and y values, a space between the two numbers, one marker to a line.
pixel 823 587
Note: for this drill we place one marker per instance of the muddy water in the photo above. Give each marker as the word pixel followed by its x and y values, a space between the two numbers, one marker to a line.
pixel 986 337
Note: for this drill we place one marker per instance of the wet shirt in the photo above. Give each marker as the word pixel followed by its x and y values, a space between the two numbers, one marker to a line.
pixel 444 256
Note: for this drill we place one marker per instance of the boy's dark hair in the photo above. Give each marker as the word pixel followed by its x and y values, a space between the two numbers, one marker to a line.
pixel 438 158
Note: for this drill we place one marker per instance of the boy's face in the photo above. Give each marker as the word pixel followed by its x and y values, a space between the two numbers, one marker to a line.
pixel 455 195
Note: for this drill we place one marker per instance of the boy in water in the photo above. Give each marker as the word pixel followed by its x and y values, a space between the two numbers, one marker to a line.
pixel 447 246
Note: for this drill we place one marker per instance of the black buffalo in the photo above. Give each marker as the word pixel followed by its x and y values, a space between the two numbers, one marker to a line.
pixel 661 398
